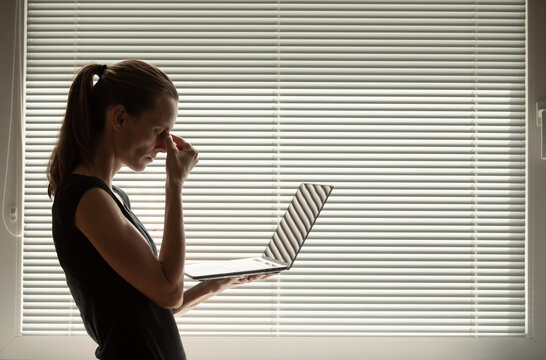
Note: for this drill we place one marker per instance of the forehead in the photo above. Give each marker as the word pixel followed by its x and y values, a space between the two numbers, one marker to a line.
pixel 163 114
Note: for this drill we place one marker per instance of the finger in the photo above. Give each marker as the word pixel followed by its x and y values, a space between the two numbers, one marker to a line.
pixel 258 277
pixel 239 280
pixel 181 144
pixel 170 144
pixel 245 279
pixel 265 276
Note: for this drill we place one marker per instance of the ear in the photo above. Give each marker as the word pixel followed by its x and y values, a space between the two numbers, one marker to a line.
pixel 117 116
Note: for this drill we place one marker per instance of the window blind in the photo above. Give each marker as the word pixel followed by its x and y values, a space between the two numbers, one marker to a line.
pixel 414 111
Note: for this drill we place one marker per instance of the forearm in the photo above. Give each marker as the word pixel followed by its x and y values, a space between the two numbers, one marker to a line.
pixel 196 295
pixel 173 246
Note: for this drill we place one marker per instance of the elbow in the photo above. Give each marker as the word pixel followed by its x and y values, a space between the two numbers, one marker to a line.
pixel 172 299
pixel 171 290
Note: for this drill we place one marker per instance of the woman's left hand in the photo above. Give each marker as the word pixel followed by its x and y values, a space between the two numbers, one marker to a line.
pixel 209 288
pixel 227 283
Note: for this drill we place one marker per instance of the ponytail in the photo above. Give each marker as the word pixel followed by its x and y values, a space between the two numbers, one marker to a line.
pixel 79 131
pixel 134 84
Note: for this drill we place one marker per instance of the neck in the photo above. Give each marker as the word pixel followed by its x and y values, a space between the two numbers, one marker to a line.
pixel 104 166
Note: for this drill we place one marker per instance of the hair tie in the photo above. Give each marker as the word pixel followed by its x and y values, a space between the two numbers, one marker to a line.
pixel 101 70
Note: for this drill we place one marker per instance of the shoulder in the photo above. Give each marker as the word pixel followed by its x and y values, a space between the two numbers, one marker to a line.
pixel 95 203
pixel 75 185
pixel 70 193
pixel 98 215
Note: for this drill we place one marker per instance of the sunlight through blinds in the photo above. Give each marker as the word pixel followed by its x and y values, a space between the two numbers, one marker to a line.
pixel 413 111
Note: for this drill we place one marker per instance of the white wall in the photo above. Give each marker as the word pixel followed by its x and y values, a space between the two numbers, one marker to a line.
pixel 10 104
pixel 13 346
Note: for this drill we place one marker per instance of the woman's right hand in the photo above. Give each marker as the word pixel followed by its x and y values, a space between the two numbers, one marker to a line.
pixel 181 158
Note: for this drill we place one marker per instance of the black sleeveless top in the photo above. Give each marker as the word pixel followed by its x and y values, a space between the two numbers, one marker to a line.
pixel 123 322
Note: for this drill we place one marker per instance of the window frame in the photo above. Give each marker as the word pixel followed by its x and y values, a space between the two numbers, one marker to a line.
pixel 15 346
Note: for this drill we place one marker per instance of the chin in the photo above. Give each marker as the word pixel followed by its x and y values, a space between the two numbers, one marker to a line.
pixel 138 167
pixel 139 164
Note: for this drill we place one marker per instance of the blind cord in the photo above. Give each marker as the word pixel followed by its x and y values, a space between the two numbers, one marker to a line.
pixel 16 50
pixel 278 141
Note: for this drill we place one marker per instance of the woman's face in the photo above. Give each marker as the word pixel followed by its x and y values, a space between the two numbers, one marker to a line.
pixel 141 137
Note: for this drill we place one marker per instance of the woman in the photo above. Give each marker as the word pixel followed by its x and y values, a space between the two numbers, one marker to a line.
pixel 126 292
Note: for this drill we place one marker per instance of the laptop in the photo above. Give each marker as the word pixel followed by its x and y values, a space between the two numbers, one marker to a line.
pixel 283 248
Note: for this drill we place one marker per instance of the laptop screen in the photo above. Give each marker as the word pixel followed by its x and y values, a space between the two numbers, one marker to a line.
pixel 297 222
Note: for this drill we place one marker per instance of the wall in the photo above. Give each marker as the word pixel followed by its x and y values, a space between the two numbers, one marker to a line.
pixel 10 160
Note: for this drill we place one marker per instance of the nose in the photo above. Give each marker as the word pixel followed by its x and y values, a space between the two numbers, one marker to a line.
pixel 160 145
